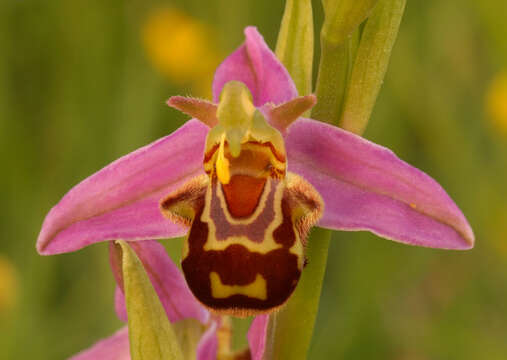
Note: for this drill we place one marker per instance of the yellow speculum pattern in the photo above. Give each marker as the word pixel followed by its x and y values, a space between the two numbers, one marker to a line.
pixel 256 289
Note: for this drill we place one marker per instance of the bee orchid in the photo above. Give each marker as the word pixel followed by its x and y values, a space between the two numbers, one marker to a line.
pixel 247 178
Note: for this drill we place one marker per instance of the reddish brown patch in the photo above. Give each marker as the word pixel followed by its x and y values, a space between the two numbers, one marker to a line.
pixel 236 265
pixel 242 194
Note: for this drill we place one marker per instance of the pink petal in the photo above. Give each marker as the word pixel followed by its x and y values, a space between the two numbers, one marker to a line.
pixel 366 187
pixel 119 304
pixel 254 64
pixel 167 279
pixel 208 345
pixel 115 347
pixel 121 200
pixel 257 336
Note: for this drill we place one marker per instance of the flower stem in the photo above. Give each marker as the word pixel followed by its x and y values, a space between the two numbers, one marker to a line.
pixel 370 65
pixel 331 81
pixel 294 47
pixel 290 330
pixel 342 19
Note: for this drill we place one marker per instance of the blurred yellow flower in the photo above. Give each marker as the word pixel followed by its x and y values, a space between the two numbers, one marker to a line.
pixel 180 47
pixel 496 102
pixel 8 285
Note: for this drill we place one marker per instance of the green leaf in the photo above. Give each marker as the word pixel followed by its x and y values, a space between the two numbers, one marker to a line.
pixel 377 40
pixel 150 333
pixel 294 47
pixel 338 42
pixel 290 330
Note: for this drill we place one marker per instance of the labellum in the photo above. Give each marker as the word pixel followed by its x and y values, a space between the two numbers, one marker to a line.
pixel 248 217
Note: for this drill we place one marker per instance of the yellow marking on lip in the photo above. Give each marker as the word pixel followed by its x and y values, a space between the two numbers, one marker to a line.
pixel 267 245
pixel 185 249
pixel 222 163
pixel 256 289
pixel 298 249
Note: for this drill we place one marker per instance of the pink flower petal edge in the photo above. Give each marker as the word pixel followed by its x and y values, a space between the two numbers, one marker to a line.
pixel 257 336
pixel 366 187
pixel 168 281
pixel 121 200
pixel 115 347
pixel 254 64
pixel 208 345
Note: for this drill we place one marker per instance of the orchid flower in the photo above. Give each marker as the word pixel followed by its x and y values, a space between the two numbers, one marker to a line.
pixel 179 305
pixel 267 177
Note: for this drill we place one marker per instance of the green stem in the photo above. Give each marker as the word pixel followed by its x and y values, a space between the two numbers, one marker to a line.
pixel 342 19
pixel 331 81
pixel 294 47
pixel 290 330
pixel 370 64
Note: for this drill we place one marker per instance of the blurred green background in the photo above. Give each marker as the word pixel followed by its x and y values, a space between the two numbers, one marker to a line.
pixel 84 82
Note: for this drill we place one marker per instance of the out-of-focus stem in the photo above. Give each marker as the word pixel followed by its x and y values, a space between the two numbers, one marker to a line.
pixel 377 40
pixel 342 18
pixel 331 81
pixel 290 330
pixel 294 47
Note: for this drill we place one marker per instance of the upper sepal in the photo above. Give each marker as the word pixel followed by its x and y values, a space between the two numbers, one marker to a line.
pixel 255 65
pixel 121 201
pixel 366 187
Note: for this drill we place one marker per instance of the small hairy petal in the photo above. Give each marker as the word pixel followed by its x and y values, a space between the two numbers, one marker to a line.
pixel 168 281
pixel 121 201
pixel 366 187
pixel 197 108
pixel 208 345
pixel 255 65
pixel 115 347
pixel 282 116
pixel 257 336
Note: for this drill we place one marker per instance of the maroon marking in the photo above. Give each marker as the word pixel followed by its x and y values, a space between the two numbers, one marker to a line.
pixel 236 265
pixel 256 230
pixel 280 157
